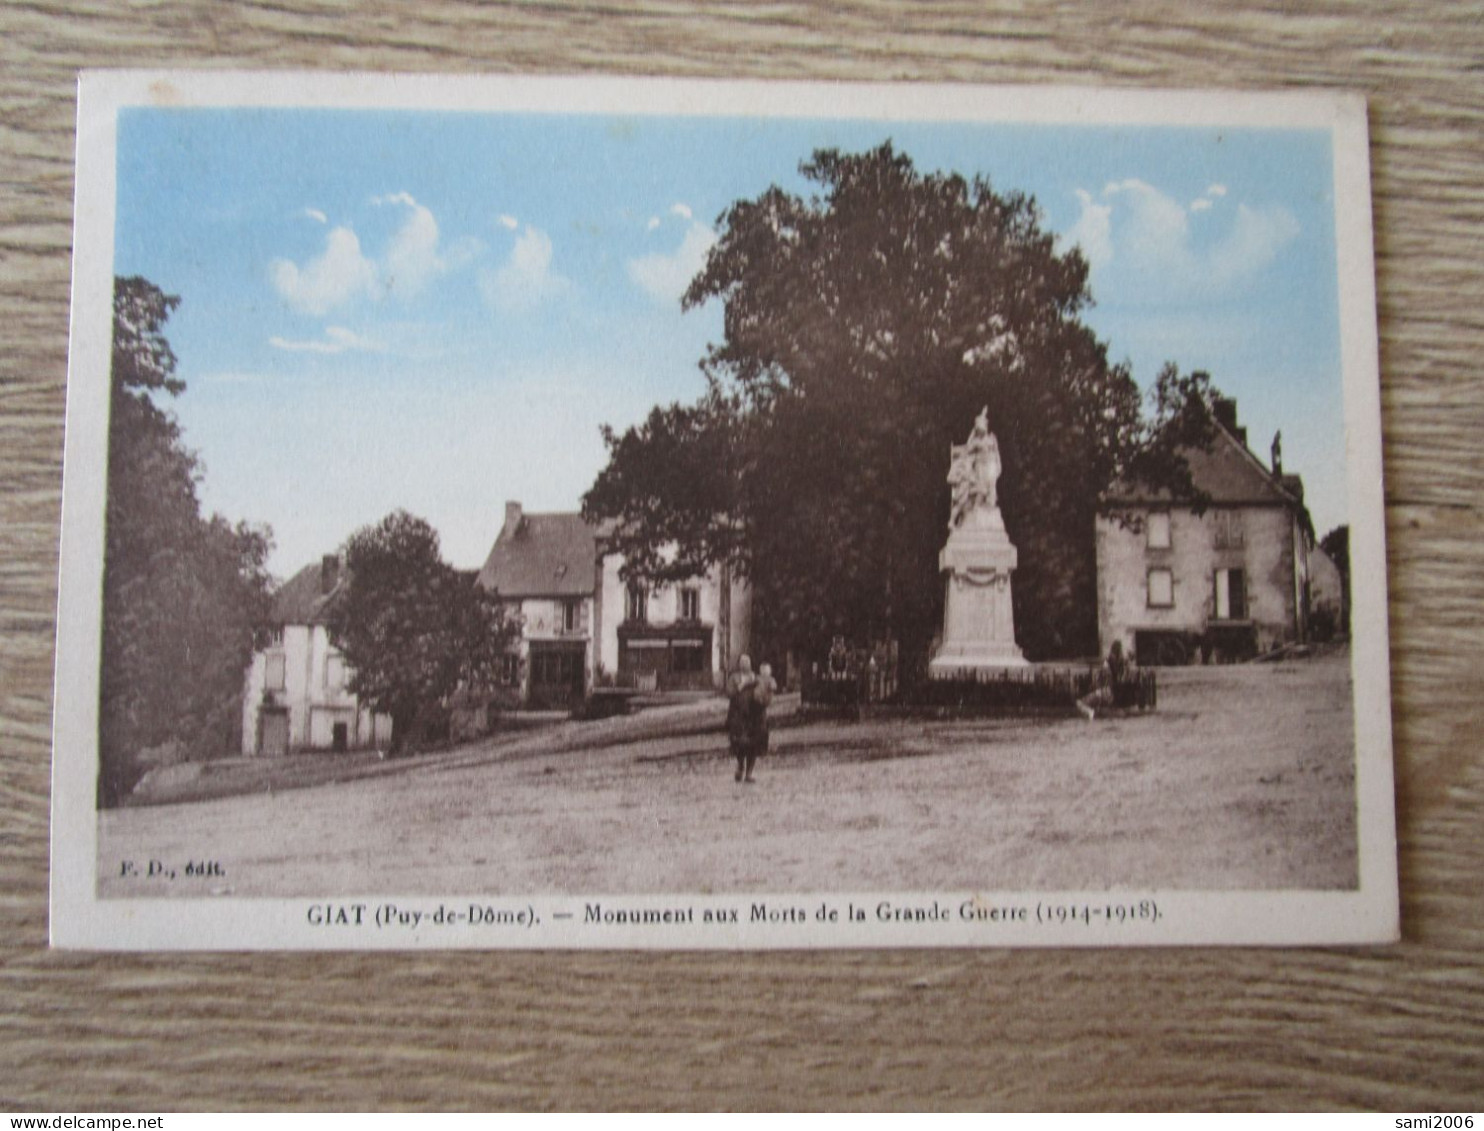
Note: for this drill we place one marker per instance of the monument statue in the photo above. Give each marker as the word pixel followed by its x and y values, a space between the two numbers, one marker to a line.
pixel 974 470
pixel 978 559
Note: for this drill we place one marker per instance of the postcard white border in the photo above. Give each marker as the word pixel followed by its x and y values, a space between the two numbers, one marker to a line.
pixel 79 919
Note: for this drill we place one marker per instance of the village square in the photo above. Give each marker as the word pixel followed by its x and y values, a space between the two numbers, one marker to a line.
pixel 1243 776
pixel 922 590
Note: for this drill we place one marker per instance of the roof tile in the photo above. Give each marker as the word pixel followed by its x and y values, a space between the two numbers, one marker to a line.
pixel 544 555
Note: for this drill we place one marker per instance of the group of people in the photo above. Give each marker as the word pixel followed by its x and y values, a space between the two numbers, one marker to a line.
pixel 749 694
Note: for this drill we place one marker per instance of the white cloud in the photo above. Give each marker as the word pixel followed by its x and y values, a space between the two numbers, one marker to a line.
pixel 332 279
pixel 337 339
pixel 1156 229
pixel 681 210
pixel 1140 241
pixel 1092 232
pixel 509 221
pixel 526 278
pixel 413 258
pixel 665 277
pixel 1254 242
pixel 316 215
pixel 343 273
pixel 654 222
pixel 1208 198
pixel 395 198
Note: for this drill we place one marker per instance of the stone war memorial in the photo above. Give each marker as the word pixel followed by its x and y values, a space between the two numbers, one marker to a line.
pixel 977 559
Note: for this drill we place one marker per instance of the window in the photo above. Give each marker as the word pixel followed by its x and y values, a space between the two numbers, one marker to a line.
pixel 273 676
pixel 507 670
pixel 1161 589
pixel 571 616
pixel 638 604
pixel 690 604
pixel 1159 530
pixel 557 668
pixel 1228 529
pixel 275 636
pixel 334 673
pixel 1231 594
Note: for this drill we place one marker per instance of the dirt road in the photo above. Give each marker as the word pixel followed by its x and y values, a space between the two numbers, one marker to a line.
pixel 1243 779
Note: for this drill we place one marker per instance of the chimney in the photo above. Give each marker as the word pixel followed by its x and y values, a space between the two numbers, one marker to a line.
pixel 329 573
pixel 513 516
pixel 1225 411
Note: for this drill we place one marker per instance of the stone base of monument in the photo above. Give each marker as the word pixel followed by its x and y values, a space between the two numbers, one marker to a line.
pixel 978 622
pixel 967 662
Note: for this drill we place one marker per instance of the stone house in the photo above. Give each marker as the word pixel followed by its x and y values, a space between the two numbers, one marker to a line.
pixel 582 627
pixel 1175 586
pixel 682 637
pixel 544 567
pixel 295 696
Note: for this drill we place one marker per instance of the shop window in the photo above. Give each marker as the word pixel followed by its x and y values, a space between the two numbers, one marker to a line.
pixel 688 656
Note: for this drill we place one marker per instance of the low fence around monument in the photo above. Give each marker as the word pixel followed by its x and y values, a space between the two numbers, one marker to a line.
pixel 1038 689
pixel 1041 689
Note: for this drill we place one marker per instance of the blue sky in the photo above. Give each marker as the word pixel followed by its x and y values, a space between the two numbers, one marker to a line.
pixel 437 310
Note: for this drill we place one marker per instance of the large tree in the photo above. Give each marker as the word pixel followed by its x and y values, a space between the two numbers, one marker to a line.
pixel 182 593
pixel 413 629
pixel 865 327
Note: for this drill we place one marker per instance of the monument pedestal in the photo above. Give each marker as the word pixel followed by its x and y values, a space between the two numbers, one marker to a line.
pixel 978 622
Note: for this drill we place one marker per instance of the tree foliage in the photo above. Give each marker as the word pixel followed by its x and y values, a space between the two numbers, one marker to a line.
pixel 182 593
pixel 412 628
pixel 865 327
pixel 1336 545
pixel 1182 418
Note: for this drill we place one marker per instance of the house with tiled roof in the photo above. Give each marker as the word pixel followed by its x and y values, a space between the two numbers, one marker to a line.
pixel 1177 586
pixel 545 568
pixel 583 627
pixel 296 696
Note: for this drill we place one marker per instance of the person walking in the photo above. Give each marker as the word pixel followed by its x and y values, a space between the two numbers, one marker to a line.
pixel 757 719
pixel 739 713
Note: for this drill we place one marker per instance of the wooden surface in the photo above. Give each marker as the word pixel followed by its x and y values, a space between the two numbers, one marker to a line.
pixel 1398 1028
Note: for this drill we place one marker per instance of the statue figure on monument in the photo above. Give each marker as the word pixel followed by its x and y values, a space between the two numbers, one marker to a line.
pixel 974 471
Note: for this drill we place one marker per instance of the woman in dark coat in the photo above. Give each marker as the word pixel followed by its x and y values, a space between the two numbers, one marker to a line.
pixel 739 715
pixel 760 695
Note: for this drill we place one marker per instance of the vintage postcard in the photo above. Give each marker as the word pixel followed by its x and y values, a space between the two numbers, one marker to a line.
pixel 598 513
